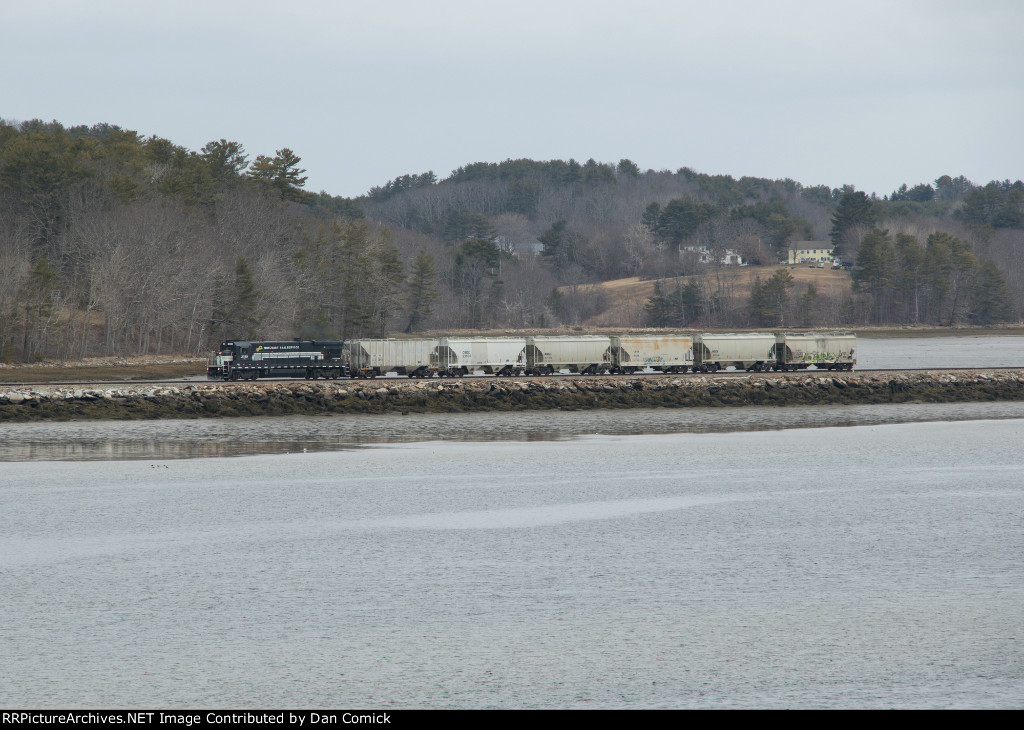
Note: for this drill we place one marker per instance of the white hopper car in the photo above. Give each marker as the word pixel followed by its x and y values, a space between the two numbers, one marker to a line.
pixel 371 358
pixel 713 352
pixel 458 356
pixel 665 353
pixel 584 354
pixel 825 351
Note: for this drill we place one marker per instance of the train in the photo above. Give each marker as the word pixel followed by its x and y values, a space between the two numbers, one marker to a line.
pixel 453 357
pixel 249 360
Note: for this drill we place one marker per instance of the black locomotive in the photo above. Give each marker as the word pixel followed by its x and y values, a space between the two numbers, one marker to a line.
pixel 310 359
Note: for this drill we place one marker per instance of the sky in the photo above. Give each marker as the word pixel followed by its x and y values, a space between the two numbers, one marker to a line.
pixel 872 94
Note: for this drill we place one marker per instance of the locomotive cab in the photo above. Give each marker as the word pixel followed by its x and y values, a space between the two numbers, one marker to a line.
pixel 224 360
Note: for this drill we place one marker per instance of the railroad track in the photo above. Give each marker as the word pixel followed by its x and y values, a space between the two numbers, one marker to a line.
pixel 721 373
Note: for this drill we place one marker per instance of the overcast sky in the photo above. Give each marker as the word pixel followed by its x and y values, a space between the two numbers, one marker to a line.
pixel 872 94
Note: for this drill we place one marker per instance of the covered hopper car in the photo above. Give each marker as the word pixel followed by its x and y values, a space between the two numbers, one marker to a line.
pixel 412 357
pixel 584 354
pixel 663 353
pixel 713 352
pixel 825 351
pixel 458 356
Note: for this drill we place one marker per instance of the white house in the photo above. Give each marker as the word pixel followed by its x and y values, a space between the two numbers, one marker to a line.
pixel 729 258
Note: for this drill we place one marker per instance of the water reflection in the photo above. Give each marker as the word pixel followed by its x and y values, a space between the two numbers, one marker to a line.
pixel 191 439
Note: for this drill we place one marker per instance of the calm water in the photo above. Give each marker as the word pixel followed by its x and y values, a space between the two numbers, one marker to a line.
pixel 872 565
pixel 157 441
pixel 989 351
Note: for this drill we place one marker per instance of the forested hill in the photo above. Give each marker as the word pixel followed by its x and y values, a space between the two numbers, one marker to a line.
pixel 112 242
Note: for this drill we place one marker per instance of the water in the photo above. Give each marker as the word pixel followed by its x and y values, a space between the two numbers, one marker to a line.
pixel 188 439
pixel 974 351
pixel 873 565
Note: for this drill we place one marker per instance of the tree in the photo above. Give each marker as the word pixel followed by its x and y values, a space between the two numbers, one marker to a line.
pixel 679 219
pixel 909 276
pixel 952 188
pixel 779 224
pixel 989 295
pixel 283 173
pixel 38 167
pixel 37 300
pixel 855 209
pixel 475 276
pixel 628 169
pixel 651 217
pixel 460 225
pixel 659 308
pixel 677 309
pixel 921 193
pixel 596 173
pixel 523 197
pixel 950 269
pixel 368 268
pixel 422 291
pixel 808 304
pixel 1011 215
pixel 638 243
pixel 385 285
pixel 874 270
pixel 241 317
pixel 226 160
pixel 768 300
pixel 562 246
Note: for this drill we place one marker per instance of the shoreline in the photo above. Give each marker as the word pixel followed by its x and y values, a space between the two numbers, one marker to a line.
pixel 209 399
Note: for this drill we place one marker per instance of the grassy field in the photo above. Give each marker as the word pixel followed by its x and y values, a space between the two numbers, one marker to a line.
pixel 627 297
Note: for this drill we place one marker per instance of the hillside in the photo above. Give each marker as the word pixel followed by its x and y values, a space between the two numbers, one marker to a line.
pixel 113 243
pixel 626 299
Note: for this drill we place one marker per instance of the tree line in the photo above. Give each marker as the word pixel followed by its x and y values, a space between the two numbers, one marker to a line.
pixel 112 242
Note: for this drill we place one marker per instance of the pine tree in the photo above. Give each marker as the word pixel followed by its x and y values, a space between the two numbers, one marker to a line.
pixel 768 299
pixel 989 295
pixel 855 209
pixel 659 308
pixel 873 273
pixel 808 302
pixel 422 291
pixel 244 318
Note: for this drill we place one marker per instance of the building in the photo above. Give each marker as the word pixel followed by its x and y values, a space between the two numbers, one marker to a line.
pixel 805 252
pixel 729 258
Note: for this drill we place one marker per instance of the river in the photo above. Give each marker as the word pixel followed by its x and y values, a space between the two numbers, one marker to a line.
pixel 676 559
